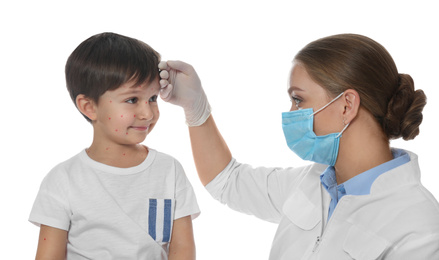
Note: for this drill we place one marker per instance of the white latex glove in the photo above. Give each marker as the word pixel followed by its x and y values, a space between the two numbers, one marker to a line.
pixel 181 86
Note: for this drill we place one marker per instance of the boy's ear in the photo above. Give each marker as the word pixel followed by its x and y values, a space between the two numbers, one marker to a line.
pixel 352 105
pixel 86 106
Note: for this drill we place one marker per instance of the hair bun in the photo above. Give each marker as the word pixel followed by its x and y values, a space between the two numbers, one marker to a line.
pixel 404 111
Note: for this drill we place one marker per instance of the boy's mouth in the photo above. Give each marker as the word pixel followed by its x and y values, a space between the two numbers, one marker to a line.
pixel 140 128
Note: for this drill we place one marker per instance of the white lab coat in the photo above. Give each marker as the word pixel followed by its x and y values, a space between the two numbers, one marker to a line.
pixel 398 220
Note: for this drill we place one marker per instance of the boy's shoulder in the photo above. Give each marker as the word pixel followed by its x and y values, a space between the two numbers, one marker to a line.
pixel 58 176
pixel 68 163
pixel 160 157
pixel 167 163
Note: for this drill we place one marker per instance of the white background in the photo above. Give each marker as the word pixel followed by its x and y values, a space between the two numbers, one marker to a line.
pixel 242 51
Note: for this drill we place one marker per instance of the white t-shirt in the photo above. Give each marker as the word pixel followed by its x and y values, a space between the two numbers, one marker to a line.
pixel 115 213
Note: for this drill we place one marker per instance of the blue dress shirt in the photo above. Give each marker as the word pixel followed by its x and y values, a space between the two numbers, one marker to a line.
pixel 360 184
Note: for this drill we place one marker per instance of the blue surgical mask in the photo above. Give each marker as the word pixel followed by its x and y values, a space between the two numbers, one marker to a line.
pixel 301 139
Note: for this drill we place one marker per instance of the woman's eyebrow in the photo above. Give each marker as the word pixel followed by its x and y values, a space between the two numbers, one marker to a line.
pixel 293 88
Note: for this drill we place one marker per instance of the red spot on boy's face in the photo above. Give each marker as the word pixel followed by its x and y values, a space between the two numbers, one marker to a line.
pixel 109 118
pixel 121 115
pixel 44 238
pixel 134 115
pixel 115 130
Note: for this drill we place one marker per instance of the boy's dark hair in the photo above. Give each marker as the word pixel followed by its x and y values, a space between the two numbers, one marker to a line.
pixel 105 62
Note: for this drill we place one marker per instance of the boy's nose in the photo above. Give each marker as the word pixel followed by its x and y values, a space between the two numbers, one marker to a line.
pixel 145 112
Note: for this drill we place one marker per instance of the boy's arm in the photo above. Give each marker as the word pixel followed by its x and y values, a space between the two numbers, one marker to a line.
pixel 52 244
pixel 182 245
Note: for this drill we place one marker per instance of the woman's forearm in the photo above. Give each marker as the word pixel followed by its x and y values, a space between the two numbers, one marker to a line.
pixel 210 151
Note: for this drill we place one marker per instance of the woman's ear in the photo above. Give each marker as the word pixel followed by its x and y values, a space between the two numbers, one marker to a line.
pixel 86 106
pixel 351 99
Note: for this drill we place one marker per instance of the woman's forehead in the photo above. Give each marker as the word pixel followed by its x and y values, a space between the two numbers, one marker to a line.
pixel 300 79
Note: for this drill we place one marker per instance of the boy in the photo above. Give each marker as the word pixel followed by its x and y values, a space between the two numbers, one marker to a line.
pixel 117 199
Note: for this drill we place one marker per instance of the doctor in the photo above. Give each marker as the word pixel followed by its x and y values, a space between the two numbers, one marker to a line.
pixel 360 199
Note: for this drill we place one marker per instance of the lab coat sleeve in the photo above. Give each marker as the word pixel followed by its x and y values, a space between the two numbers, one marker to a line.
pixel 425 247
pixel 256 191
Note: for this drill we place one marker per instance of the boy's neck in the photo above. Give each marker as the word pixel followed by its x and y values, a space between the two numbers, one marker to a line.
pixel 121 156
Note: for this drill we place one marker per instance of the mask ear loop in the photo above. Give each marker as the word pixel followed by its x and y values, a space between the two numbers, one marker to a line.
pixel 346 126
pixel 332 101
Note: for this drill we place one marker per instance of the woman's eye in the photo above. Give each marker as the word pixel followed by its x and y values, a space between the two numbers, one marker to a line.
pixel 153 99
pixel 132 100
pixel 296 101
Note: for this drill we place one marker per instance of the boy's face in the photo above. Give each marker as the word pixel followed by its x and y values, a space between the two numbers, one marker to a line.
pixel 127 114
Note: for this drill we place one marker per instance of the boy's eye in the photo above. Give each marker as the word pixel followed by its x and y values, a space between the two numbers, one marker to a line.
pixel 153 99
pixel 132 100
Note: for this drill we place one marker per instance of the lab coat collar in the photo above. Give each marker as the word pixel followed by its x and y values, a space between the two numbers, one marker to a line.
pixel 397 177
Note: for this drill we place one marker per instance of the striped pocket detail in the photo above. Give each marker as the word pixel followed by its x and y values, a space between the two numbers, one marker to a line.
pixel 160 219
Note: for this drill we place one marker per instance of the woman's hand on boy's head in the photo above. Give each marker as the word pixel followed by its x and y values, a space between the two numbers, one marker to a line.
pixel 175 73
pixel 165 85
pixel 179 83
pixel 181 86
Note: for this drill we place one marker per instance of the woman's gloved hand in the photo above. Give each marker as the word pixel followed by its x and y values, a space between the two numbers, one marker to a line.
pixel 181 86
